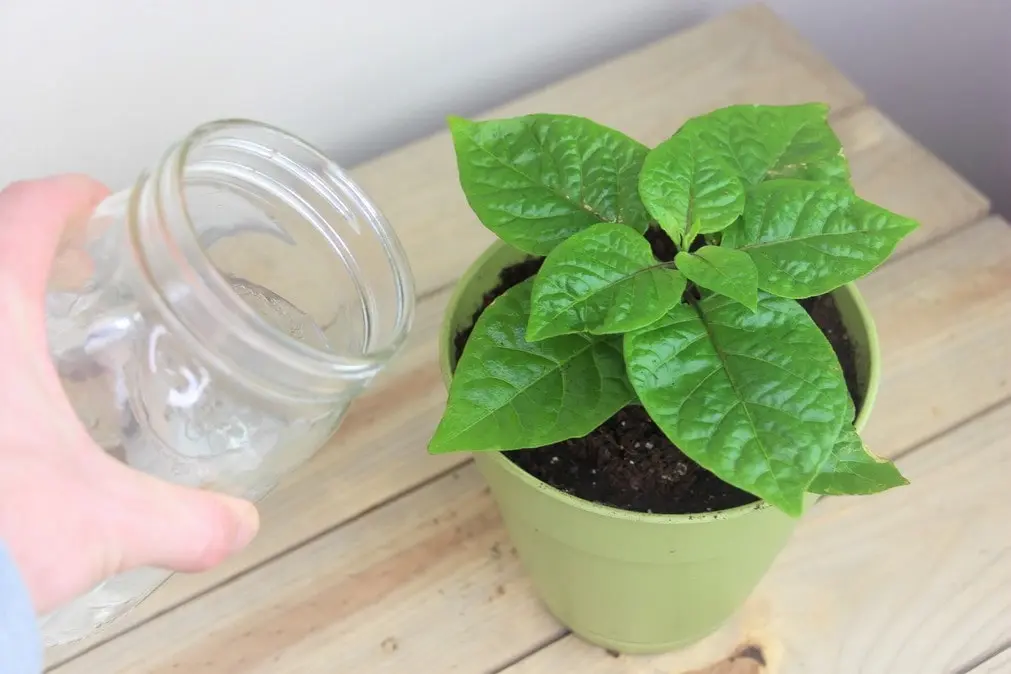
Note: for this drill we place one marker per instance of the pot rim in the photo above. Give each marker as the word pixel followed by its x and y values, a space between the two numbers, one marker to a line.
pixel 448 329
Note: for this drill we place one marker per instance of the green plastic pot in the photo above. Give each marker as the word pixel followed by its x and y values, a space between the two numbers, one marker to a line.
pixel 628 581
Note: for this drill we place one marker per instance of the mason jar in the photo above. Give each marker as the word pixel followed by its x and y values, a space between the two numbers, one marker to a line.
pixel 212 325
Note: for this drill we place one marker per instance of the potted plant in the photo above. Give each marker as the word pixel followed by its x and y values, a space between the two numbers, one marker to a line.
pixel 663 360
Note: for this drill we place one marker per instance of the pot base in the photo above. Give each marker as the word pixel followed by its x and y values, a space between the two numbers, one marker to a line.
pixel 642 648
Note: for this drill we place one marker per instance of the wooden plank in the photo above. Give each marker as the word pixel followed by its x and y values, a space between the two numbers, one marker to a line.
pixel 367 462
pixel 913 580
pixel 891 169
pixel 962 303
pixel 442 543
pixel 943 314
pixel 748 55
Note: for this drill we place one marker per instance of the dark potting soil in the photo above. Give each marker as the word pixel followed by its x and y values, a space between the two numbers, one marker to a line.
pixel 628 462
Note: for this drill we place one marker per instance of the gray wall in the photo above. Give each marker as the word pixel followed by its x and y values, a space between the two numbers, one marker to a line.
pixel 103 87
pixel 940 68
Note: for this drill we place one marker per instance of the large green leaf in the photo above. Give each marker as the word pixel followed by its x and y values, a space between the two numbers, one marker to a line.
pixel 851 468
pixel 757 398
pixel 538 179
pixel 769 141
pixel 508 393
pixel 602 280
pixel 807 239
pixel 723 270
pixel 684 183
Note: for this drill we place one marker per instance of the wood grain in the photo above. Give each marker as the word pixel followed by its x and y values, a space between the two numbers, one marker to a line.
pixel 442 545
pixel 943 315
pixel 449 591
pixel 912 580
pixel 998 664
pixel 892 170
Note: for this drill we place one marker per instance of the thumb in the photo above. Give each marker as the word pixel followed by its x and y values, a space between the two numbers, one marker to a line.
pixel 34 215
pixel 179 528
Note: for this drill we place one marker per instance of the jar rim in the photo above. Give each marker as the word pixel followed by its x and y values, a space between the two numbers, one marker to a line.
pixel 332 183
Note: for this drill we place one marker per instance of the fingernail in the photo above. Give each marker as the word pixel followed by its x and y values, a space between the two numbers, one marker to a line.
pixel 247 521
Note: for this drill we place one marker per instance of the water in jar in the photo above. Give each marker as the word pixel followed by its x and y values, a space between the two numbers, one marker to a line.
pixel 211 326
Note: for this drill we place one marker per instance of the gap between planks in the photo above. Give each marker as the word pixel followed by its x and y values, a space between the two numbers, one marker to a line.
pixel 995 662
pixel 980 274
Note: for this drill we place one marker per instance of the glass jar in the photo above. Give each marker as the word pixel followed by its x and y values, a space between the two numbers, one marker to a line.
pixel 212 325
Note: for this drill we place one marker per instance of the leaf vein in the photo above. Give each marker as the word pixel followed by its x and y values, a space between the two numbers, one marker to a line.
pixel 748 356
pixel 530 385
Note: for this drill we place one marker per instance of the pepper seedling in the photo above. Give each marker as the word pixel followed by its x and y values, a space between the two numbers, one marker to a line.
pixel 713 344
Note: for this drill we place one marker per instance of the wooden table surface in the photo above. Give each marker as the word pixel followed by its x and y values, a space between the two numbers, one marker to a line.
pixel 377 557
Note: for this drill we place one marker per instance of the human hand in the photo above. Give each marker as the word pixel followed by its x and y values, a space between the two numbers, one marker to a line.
pixel 71 515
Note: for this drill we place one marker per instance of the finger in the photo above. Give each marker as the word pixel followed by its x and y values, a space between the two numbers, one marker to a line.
pixel 33 216
pixel 178 528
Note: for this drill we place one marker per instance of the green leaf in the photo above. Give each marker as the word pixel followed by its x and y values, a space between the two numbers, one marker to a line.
pixel 683 184
pixel 723 270
pixel 808 239
pixel 693 231
pixel 765 142
pixel 756 398
pixel 602 280
pixel 508 393
pixel 852 469
pixel 537 180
